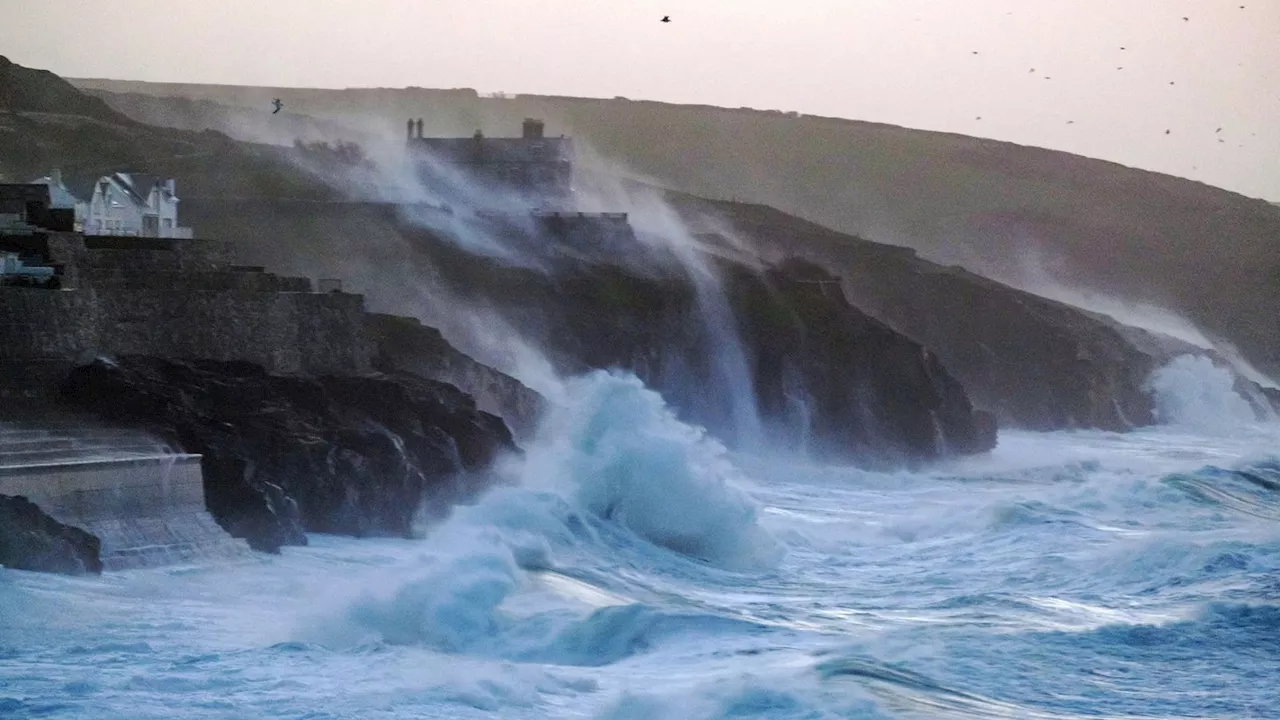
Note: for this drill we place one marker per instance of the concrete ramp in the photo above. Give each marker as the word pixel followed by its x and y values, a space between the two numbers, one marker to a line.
pixel 144 503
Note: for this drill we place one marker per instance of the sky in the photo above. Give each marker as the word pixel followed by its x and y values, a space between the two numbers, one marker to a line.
pixel 1045 73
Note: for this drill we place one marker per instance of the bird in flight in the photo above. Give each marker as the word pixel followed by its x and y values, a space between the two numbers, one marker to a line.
pixel 666 18
pixel 278 105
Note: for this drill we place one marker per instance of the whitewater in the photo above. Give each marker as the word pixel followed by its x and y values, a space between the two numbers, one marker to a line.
pixel 632 567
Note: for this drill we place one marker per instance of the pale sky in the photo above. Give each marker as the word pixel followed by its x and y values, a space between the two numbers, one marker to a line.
pixel 907 62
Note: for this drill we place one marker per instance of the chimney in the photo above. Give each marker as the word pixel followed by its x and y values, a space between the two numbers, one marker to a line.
pixel 419 128
pixel 56 176
pixel 532 128
pixel 408 129
pixel 171 186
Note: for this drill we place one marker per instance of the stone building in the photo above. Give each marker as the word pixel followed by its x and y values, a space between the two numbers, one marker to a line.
pixel 532 165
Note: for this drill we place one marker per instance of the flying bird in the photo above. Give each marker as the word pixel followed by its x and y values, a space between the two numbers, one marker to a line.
pixel 666 18
pixel 278 105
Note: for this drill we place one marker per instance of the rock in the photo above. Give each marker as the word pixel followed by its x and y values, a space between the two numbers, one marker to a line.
pixel 872 390
pixel 358 456
pixel 876 397
pixel 1035 363
pixel 404 344
pixel 31 540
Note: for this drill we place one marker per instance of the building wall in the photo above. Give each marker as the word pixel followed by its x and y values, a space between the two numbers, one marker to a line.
pixel 112 213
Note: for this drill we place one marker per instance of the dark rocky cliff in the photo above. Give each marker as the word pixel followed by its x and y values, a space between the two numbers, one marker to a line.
pixel 283 455
pixel 870 394
pixel 994 207
pixel 31 540
pixel 1037 363
pixel 402 344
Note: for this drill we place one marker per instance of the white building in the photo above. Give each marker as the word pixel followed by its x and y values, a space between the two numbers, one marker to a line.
pixel 134 204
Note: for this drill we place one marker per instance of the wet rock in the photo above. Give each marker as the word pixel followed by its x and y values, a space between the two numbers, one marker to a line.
pixel 368 455
pixel 406 345
pixel 870 395
pixel 31 540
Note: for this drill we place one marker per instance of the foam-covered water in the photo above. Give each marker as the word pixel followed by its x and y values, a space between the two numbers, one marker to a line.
pixel 638 570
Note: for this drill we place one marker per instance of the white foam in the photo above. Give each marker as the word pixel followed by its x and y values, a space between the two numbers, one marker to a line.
pixel 1192 391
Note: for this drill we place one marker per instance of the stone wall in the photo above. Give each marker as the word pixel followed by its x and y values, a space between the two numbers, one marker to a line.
pixel 285 332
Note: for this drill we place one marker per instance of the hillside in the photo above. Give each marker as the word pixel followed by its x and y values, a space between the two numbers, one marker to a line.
pixel 1026 216
pixel 45 122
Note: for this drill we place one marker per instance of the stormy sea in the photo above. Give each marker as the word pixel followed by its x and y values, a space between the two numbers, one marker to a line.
pixel 633 567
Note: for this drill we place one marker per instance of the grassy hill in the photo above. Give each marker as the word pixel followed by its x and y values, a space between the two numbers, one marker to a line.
pixel 45 122
pixel 1026 216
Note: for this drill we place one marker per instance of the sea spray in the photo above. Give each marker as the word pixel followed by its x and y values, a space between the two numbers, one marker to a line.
pixel 622 455
pixel 728 399
pixel 610 459
pixel 1192 391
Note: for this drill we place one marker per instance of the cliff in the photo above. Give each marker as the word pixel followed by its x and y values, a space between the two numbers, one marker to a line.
pixel 286 455
pixel 1036 363
pixel 1008 212
pixel 402 344
pixel 823 372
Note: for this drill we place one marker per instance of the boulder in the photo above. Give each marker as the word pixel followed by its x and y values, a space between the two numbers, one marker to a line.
pixel 31 540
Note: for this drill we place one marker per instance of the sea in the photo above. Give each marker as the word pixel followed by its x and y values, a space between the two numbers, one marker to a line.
pixel 630 566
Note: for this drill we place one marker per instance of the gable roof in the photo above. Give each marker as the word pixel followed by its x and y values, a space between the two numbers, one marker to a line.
pixel 137 186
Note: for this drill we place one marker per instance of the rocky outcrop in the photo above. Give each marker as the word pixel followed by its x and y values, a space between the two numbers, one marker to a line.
pixel 402 344
pixel 862 391
pixel 1036 363
pixel 866 387
pixel 31 540
pixel 368 455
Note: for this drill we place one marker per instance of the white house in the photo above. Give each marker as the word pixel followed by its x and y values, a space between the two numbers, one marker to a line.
pixel 134 204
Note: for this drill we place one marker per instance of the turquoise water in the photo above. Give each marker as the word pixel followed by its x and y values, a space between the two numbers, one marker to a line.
pixel 635 569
